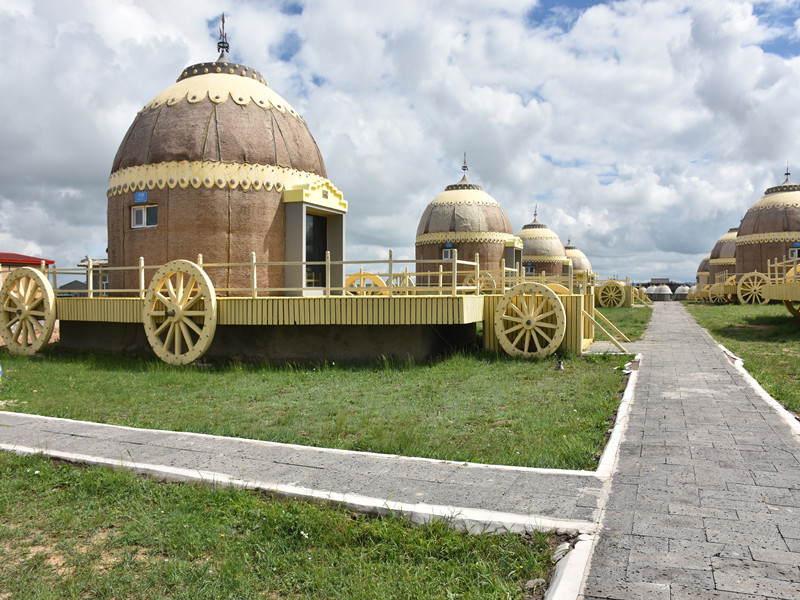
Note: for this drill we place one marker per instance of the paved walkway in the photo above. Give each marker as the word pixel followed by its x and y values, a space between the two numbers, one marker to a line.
pixel 704 503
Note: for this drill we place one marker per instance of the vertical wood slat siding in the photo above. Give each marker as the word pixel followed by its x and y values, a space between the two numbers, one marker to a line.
pixel 781 291
pixel 108 310
pixel 357 310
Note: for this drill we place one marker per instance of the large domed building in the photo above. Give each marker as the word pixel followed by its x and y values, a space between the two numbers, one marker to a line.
pixel 467 219
pixel 542 250
pixel 219 164
pixel 580 262
pixel 770 230
pixel 702 272
pixel 723 256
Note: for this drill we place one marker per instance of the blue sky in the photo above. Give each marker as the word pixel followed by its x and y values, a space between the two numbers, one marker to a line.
pixel 643 130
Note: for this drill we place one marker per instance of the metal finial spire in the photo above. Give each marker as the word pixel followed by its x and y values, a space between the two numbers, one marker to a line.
pixel 787 171
pixel 464 167
pixel 222 44
pixel 535 211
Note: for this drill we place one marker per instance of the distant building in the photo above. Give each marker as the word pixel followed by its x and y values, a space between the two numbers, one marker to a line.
pixel 11 260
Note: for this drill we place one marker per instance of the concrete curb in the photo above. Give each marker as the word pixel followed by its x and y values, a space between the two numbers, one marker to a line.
pixel 786 416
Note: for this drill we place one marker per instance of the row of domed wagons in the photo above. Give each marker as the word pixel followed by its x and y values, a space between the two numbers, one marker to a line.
pixel 179 314
pixel 744 289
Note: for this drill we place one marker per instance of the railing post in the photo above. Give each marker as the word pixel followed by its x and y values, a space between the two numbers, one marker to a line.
pixel 390 276
pixel 477 274
pixel 89 277
pixel 441 279
pixel 455 271
pixel 141 277
pixel 503 274
pixel 253 279
pixel 327 273
pixel 200 260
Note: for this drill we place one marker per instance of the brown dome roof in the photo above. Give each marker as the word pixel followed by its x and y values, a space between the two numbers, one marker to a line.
pixel 580 262
pixel 463 212
pixel 769 228
pixel 220 112
pixel 540 243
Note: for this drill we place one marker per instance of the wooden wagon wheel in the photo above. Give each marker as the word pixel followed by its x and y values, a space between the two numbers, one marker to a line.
pixel 611 294
pixel 749 287
pixel 793 307
pixel 716 294
pixel 365 283
pixel 558 288
pixel 180 312
pixel 28 314
pixel 405 282
pixel 530 321
pixel 486 282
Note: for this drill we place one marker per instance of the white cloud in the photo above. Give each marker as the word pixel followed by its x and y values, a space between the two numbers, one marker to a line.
pixel 643 130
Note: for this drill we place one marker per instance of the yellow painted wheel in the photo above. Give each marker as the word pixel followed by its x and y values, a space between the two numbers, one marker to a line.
pixel 611 294
pixel 530 321
pixel 717 295
pixel 748 290
pixel 486 281
pixel 558 288
pixel 405 282
pixel 365 283
pixel 28 314
pixel 180 312
pixel 792 307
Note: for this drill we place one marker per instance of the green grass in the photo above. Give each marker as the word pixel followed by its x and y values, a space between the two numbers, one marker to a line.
pixel 630 321
pixel 766 337
pixel 73 532
pixel 479 408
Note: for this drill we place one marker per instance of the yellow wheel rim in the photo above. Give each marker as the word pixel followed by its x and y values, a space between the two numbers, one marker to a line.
pixel 180 312
pixel 530 321
pixel 749 288
pixel 28 314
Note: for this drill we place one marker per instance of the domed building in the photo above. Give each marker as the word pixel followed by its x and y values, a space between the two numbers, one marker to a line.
pixel 702 272
pixel 770 230
pixel 219 164
pixel 467 219
pixel 580 262
pixel 542 250
pixel 723 256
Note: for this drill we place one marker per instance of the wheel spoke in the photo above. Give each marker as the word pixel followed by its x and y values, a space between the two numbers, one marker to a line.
pixel 511 329
pixel 192 325
pixel 527 341
pixel 517 310
pixel 187 337
pixel 516 339
pixel 536 341
pixel 192 301
pixel 545 324
pixel 161 327
pixel 163 299
pixel 544 335
pixel 170 334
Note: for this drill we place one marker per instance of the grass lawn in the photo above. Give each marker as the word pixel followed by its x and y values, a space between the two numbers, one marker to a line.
pixel 630 321
pixel 480 408
pixel 68 531
pixel 766 337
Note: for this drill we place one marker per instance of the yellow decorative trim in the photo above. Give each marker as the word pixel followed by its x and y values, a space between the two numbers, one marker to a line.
pixel 764 238
pixel 544 258
pixel 218 88
pixel 207 174
pixel 514 242
pixel 491 237
pixel 321 193
pixel 722 261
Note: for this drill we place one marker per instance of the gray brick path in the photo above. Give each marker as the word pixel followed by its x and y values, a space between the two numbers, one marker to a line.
pixel 705 500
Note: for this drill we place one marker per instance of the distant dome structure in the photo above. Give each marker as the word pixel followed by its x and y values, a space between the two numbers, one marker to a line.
pixel 770 230
pixel 681 292
pixel 702 272
pixel 661 293
pixel 467 219
pixel 723 256
pixel 580 262
pixel 219 164
pixel 542 250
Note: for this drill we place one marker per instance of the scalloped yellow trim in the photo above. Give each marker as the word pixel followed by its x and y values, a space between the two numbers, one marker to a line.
pixel 722 261
pixel 207 174
pixel 219 88
pixel 463 236
pixel 760 238
pixel 465 197
pixel 777 200
pixel 543 258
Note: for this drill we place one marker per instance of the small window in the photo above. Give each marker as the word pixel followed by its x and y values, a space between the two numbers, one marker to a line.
pixel 794 253
pixel 447 254
pixel 529 270
pixel 144 216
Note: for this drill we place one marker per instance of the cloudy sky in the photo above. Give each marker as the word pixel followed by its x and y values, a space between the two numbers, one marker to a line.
pixel 642 130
